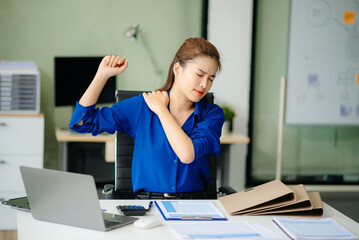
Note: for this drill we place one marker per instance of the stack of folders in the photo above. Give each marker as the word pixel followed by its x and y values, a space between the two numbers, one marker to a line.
pixel 274 198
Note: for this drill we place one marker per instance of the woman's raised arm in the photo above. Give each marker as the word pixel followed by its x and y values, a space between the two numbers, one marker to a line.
pixel 110 66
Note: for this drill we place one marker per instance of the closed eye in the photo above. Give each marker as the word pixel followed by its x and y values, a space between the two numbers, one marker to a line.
pixel 211 78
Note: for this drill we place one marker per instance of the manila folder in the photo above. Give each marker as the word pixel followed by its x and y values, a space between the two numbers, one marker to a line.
pixel 273 193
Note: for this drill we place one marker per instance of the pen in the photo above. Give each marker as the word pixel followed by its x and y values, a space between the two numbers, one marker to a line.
pixel 150 206
pixel 196 217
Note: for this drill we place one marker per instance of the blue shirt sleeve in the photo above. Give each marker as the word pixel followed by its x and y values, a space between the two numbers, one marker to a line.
pixel 206 134
pixel 122 116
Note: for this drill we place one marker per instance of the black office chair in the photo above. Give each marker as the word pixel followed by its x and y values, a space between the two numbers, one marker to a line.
pixel 123 163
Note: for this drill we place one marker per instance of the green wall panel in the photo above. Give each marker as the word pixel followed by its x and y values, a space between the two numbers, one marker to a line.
pixel 38 30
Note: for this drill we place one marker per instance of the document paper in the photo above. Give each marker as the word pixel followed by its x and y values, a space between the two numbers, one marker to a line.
pixel 223 230
pixel 189 210
pixel 304 228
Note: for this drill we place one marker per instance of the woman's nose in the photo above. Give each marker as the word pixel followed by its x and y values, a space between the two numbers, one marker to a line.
pixel 203 83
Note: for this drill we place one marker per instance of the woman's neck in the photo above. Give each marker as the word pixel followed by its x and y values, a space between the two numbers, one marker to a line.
pixel 179 103
pixel 180 107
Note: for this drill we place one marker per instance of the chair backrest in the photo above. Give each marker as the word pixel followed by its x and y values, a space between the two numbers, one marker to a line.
pixel 124 151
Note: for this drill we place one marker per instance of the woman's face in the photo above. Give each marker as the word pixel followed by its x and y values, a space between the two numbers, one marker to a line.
pixel 195 79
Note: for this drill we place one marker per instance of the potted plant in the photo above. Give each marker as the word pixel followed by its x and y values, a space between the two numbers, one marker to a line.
pixel 229 114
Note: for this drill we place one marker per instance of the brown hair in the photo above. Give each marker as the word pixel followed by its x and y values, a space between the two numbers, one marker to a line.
pixel 190 49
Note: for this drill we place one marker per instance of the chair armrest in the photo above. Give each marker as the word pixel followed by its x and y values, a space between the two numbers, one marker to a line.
pixel 108 189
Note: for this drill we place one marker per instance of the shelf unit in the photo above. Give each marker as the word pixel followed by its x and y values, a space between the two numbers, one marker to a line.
pixel 21 143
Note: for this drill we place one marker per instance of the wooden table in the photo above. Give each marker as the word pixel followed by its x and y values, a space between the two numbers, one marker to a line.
pixel 65 136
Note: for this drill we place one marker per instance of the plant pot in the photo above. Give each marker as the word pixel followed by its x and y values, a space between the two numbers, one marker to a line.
pixel 227 127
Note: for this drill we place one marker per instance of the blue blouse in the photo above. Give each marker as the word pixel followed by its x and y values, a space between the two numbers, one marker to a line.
pixel 155 166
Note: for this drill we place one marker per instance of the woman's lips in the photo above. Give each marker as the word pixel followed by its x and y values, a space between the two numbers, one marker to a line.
pixel 199 92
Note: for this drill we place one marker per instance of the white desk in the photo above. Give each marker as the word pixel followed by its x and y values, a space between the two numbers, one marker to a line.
pixel 29 228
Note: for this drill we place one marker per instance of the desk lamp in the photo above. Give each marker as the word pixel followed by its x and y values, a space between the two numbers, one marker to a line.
pixel 132 34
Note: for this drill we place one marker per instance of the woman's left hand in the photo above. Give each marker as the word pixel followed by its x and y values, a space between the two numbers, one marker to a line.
pixel 157 101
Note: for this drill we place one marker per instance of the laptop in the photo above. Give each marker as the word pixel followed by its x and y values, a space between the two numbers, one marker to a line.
pixel 67 198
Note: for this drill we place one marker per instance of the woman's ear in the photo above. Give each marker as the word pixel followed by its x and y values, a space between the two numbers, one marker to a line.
pixel 176 68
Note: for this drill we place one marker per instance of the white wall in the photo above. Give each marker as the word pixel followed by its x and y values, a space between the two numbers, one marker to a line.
pixel 230 30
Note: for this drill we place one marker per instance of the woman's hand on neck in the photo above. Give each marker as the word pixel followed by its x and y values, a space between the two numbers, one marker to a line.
pixel 157 101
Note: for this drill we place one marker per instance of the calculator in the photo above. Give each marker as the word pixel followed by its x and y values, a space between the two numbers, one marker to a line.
pixel 134 210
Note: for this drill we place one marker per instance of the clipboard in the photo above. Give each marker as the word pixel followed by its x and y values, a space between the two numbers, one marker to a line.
pixel 202 210
pixel 265 196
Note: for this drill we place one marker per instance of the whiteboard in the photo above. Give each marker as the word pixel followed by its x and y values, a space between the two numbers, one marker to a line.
pixel 323 63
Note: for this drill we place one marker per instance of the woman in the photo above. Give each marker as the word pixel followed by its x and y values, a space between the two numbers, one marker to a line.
pixel 174 131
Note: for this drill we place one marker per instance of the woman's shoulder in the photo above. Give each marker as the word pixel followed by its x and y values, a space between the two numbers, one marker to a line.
pixel 209 106
pixel 210 109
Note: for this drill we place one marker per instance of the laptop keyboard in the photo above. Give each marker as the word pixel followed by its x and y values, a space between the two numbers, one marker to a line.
pixel 110 223
pixel 113 220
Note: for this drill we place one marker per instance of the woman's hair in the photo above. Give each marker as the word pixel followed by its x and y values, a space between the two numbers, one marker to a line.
pixel 190 49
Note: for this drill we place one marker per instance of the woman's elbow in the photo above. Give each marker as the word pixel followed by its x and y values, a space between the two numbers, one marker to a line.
pixel 187 158
pixel 79 123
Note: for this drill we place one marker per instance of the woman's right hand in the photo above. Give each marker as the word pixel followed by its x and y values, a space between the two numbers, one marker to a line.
pixel 112 65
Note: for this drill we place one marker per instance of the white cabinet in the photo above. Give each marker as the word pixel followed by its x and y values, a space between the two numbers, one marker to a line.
pixel 21 143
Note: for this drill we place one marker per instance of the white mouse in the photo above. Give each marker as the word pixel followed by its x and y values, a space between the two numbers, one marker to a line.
pixel 146 223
